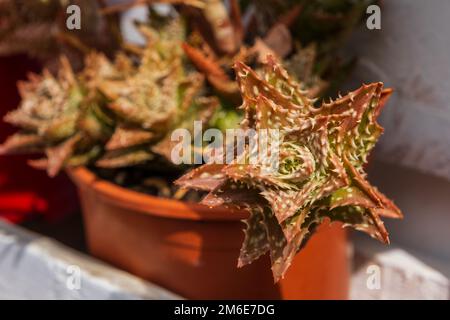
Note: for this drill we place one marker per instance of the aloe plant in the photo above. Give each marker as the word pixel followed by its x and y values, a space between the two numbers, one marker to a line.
pixel 152 100
pixel 50 115
pixel 112 114
pixel 304 35
pixel 322 153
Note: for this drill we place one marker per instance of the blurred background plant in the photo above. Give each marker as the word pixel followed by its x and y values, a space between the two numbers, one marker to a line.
pixel 38 28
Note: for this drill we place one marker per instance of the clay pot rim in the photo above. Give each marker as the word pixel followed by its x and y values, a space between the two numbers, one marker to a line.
pixel 148 204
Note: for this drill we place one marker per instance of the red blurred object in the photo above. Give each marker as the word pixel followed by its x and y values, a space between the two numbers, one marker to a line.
pixel 24 191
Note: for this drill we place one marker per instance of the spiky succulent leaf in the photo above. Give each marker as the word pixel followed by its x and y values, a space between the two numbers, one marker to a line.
pixel 57 117
pixel 153 99
pixel 322 152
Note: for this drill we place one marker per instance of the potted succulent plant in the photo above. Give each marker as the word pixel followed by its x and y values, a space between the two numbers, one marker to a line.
pixel 111 123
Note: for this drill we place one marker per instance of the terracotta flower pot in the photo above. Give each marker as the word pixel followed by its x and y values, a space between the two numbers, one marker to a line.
pixel 192 250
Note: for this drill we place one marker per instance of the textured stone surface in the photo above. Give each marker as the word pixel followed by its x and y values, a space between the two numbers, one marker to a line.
pixel 36 267
pixel 411 54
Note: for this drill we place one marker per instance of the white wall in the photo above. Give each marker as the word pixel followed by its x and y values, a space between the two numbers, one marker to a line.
pixel 411 53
